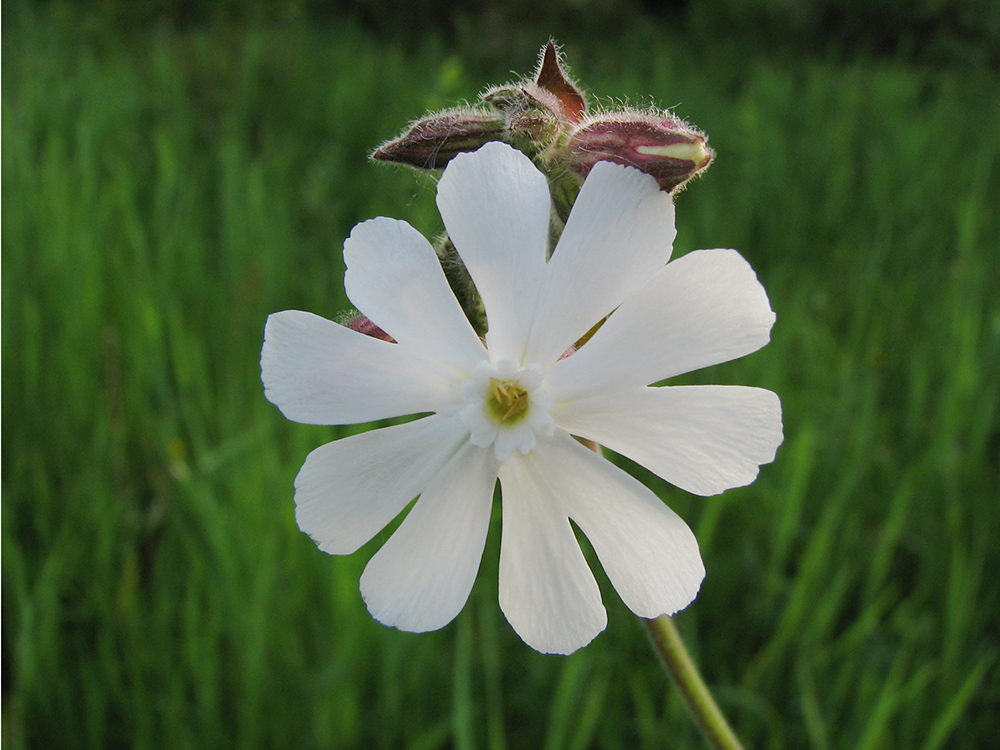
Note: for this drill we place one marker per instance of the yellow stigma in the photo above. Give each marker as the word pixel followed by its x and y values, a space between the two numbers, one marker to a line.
pixel 508 401
pixel 695 152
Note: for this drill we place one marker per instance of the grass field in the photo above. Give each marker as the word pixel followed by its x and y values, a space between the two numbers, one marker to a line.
pixel 164 192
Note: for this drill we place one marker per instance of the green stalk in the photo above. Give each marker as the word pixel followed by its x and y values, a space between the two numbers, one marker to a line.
pixel 676 660
pixel 679 665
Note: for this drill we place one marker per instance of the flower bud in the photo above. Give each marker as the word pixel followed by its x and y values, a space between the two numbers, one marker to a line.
pixel 361 324
pixel 538 112
pixel 552 79
pixel 431 142
pixel 552 91
pixel 660 145
pixel 531 115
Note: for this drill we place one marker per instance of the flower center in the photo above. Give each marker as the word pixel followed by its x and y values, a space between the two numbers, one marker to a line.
pixel 508 401
pixel 506 407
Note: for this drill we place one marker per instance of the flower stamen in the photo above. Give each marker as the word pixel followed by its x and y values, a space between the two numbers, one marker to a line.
pixel 509 402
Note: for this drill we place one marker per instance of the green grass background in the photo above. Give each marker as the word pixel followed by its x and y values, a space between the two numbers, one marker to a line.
pixel 164 190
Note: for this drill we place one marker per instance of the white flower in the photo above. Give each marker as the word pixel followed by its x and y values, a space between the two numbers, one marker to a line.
pixel 510 406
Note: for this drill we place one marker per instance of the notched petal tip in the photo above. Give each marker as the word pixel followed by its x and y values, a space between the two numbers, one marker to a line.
pixel 421 577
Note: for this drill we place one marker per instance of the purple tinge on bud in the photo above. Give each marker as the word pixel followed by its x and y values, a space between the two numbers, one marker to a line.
pixel 431 142
pixel 361 324
pixel 553 79
pixel 662 146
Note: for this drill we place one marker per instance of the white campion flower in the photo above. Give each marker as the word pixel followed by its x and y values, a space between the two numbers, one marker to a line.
pixel 510 407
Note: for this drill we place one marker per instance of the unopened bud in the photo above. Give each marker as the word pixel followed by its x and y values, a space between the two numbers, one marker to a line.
pixel 531 115
pixel 431 142
pixel 361 324
pixel 552 91
pixel 537 113
pixel 660 145
pixel 552 78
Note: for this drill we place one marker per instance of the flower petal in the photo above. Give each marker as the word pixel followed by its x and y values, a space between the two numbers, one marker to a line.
pixel 421 578
pixel 495 205
pixel 348 490
pixel 318 372
pixel 547 590
pixel 703 439
pixel 703 309
pixel 394 277
pixel 648 552
pixel 620 232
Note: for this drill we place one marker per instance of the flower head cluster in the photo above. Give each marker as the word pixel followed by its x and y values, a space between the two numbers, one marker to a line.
pixel 547 118
pixel 515 404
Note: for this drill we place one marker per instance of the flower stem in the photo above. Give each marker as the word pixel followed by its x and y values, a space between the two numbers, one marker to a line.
pixel 679 665
pixel 676 660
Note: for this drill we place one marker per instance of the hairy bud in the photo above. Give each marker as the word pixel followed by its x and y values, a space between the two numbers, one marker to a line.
pixel 660 145
pixel 361 324
pixel 431 142
pixel 546 118
pixel 538 112
pixel 552 83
